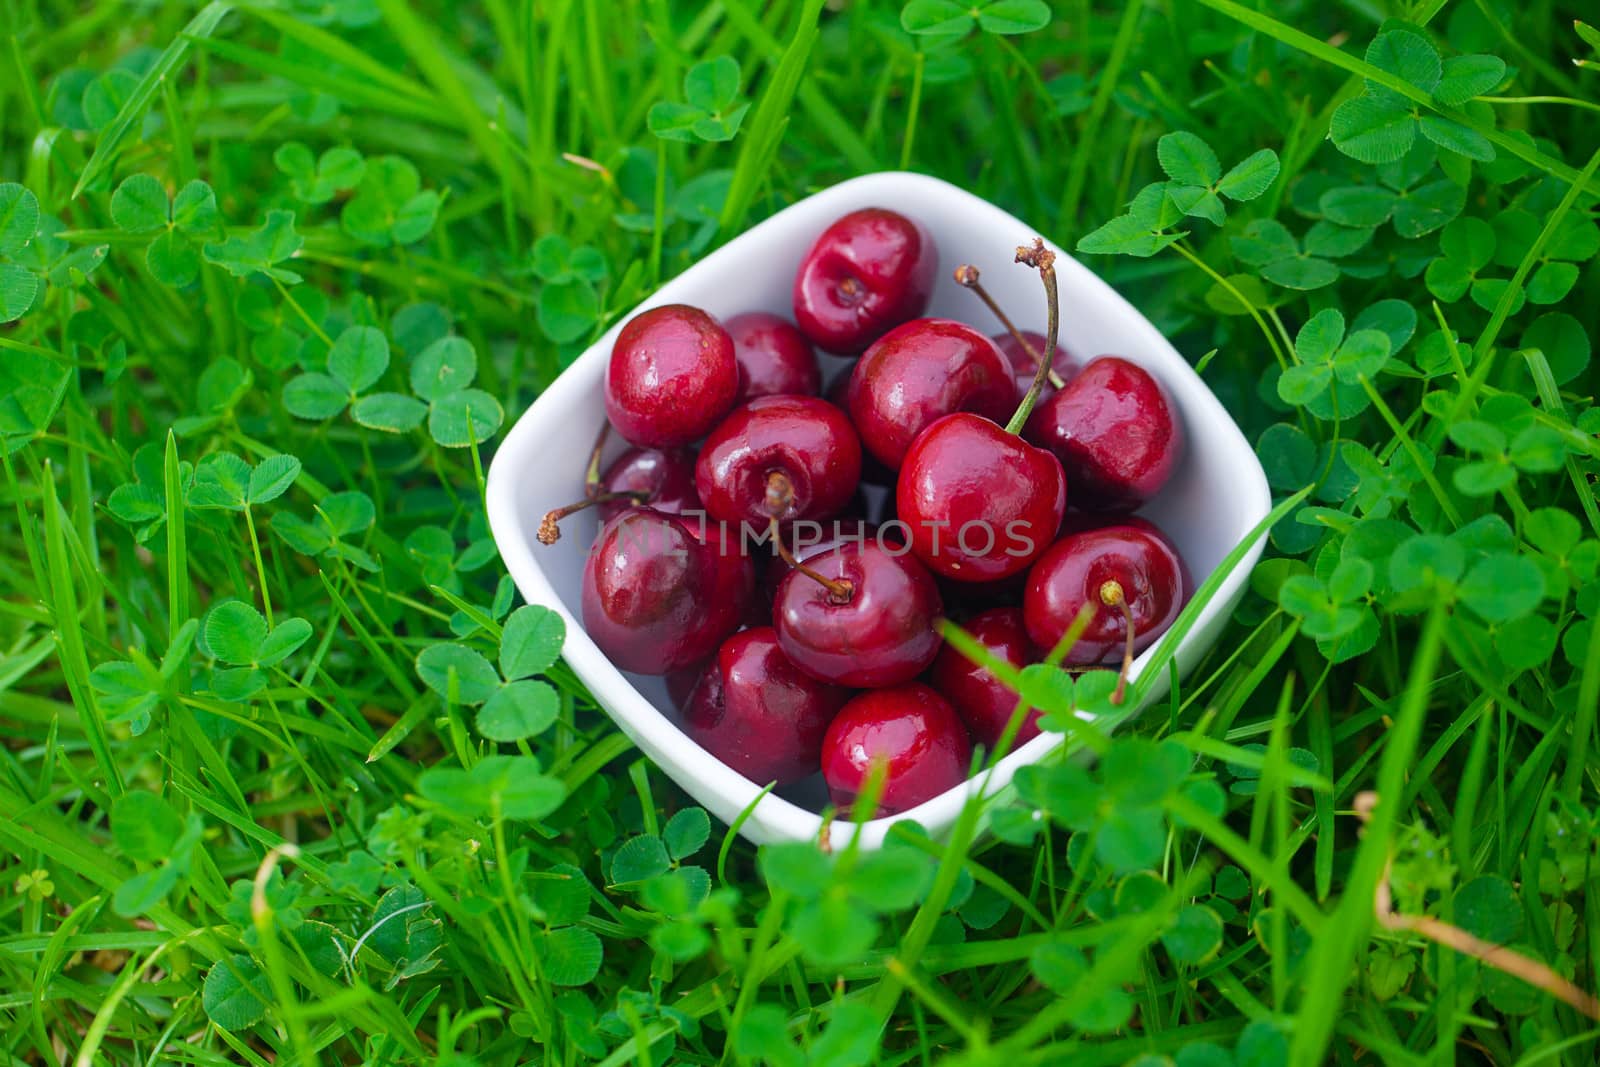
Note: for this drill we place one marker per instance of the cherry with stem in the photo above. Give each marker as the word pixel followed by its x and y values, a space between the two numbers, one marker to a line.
pixel 967 275
pixel 779 492
pixel 965 473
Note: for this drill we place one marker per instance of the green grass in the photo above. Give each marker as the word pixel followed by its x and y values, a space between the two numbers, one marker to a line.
pixel 288 777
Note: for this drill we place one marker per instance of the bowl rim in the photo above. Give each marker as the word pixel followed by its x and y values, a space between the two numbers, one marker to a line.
pixel 760 814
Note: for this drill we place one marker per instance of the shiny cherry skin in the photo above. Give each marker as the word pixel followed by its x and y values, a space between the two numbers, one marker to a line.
pixel 805 440
pixel 672 376
pixel 837 392
pixel 984 702
pixel 759 713
pixel 913 731
pixel 883 633
pixel 1116 432
pixel 666 474
pixel 1129 551
pixel 982 504
pixel 867 273
pixel 1025 366
pixel 661 593
pixel 920 372
pixel 775 359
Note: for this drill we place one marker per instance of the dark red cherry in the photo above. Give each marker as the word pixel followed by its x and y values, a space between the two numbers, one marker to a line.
pixel 1127 564
pixel 873 624
pixel 672 376
pixel 868 272
pixel 664 478
pixel 1024 365
pixel 775 359
pixel 912 731
pixel 1116 432
pixel 981 503
pixel 759 713
pixel 984 702
pixel 660 594
pixel 837 392
pixel 783 457
pixel 920 372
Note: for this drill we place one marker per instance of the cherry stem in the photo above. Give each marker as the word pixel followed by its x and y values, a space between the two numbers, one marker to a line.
pixel 550 531
pixel 591 478
pixel 1044 260
pixel 780 494
pixel 1112 596
pixel 967 275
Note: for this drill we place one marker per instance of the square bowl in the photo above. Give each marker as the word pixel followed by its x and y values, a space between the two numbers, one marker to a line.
pixel 1216 496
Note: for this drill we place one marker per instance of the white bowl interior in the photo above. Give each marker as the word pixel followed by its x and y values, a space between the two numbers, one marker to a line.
pixel 1215 497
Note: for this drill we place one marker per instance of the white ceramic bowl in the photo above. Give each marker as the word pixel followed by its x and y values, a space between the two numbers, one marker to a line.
pixel 1216 496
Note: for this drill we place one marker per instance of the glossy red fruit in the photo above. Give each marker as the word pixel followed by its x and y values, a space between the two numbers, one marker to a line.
pixel 775 359
pixel 867 273
pixel 920 372
pixel 882 633
pixel 803 440
pixel 659 593
pixel 758 713
pixel 982 504
pixel 672 376
pixel 1116 432
pixel 1080 568
pixel 1024 366
pixel 913 731
pixel 666 475
pixel 984 702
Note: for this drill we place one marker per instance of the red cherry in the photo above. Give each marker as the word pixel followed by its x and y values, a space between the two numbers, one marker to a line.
pixel 868 272
pixel 672 376
pixel 913 731
pixel 837 392
pixel 981 503
pixel 1116 432
pixel 660 594
pixel 872 624
pixel 1129 564
pixel 664 477
pixel 984 702
pixel 1024 365
pixel 774 358
pixel 993 500
pixel 782 457
pixel 920 372
pixel 758 713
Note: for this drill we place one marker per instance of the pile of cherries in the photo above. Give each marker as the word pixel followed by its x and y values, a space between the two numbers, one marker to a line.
pixel 830 655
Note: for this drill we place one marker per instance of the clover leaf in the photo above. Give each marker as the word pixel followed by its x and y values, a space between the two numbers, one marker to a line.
pixel 999 17
pixel 19 223
pixel 1381 125
pixel 713 111
pixel 316 180
pixel 1267 245
pixel 1198 183
pixel 259 251
pixel 390 207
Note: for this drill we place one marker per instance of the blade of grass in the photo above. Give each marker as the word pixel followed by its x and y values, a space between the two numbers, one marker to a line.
pixel 1328 968
pixel 164 69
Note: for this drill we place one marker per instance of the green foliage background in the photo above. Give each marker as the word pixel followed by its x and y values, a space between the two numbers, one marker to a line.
pixel 288 777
